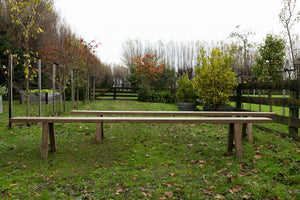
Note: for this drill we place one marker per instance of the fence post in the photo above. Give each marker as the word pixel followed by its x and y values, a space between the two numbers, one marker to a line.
pixel 40 86
pixel 115 91
pixel 259 95
pixel 239 98
pixel 53 88
pixel 270 97
pixel 72 87
pixel 283 108
pixel 294 112
pixel 10 88
pixel 94 88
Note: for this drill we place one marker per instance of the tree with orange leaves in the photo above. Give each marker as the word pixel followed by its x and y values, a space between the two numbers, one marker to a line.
pixel 148 67
pixel 147 70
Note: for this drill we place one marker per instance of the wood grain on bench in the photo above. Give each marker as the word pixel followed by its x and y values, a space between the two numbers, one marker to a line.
pixel 48 129
pixel 173 113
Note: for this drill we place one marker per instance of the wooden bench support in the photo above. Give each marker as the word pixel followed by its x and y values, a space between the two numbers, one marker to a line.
pixel 44 145
pixel 99 131
pixel 238 140
pixel 230 137
pixel 250 133
pixel 235 123
pixel 48 131
pixel 53 145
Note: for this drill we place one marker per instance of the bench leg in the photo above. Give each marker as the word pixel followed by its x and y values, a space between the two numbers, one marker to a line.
pixel 45 135
pixel 230 137
pixel 99 131
pixel 238 140
pixel 250 133
pixel 53 144
pixel 244 128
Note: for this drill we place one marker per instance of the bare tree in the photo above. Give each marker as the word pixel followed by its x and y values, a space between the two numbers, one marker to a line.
pixel 289 17
pixel 243 45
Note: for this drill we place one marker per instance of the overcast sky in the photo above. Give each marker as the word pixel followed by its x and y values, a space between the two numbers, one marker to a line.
pixel 112 22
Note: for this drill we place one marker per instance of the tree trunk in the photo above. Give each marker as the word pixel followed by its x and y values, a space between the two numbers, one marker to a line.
pixel 27 90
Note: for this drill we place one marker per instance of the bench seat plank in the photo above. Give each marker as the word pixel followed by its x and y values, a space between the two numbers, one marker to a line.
pixel 173 113
pixel 142 119
pixel 247 126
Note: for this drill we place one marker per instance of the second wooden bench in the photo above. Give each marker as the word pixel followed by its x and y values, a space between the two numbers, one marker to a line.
pixel 101 113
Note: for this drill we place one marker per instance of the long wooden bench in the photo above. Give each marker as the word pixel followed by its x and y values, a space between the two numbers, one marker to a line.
pixel 101 113
pixel 48 128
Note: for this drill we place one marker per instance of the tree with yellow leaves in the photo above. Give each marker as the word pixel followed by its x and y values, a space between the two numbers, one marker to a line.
pixel 24 14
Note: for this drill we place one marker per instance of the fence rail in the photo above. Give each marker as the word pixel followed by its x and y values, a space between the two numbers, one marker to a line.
pixel 120 93
pixel 292 102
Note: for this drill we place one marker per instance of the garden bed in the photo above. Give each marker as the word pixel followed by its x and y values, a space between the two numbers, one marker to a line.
pixel 47 98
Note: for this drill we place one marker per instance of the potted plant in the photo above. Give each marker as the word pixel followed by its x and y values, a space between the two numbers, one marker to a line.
pixel 185 94
pixel 3 91
pixel 214 79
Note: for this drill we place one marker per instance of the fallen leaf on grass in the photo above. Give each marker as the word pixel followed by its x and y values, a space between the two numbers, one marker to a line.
pixel 143 188
pixel 146 195
pixel 124 164
pixel 194 161
pixel 168 185
pixel 120 190
pixel 257 156
pixel 219 196
pixel 208 191
pixel 233 190
pixel 169 194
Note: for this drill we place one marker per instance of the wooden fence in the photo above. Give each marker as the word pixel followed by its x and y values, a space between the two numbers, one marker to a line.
pixel 252 93
pixel 283 94
pixel 123 93
pixel 117 93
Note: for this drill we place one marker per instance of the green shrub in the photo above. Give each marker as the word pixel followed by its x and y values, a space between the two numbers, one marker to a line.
pixel 161 97
pixel 214 78
pixel 3 90
pixel 43 91
pixel 143 92
pixel 185 91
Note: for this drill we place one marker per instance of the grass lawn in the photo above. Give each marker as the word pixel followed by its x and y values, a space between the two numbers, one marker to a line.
pixel 144 161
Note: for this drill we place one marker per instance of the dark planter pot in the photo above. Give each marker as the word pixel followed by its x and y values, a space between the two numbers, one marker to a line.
pixel 221 108
pixel 186 106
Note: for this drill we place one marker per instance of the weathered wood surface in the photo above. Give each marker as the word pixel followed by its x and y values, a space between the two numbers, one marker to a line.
pixel 143 119
pixel 281 102
pixel 293 102
pixel 173 113
pixel 276 85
